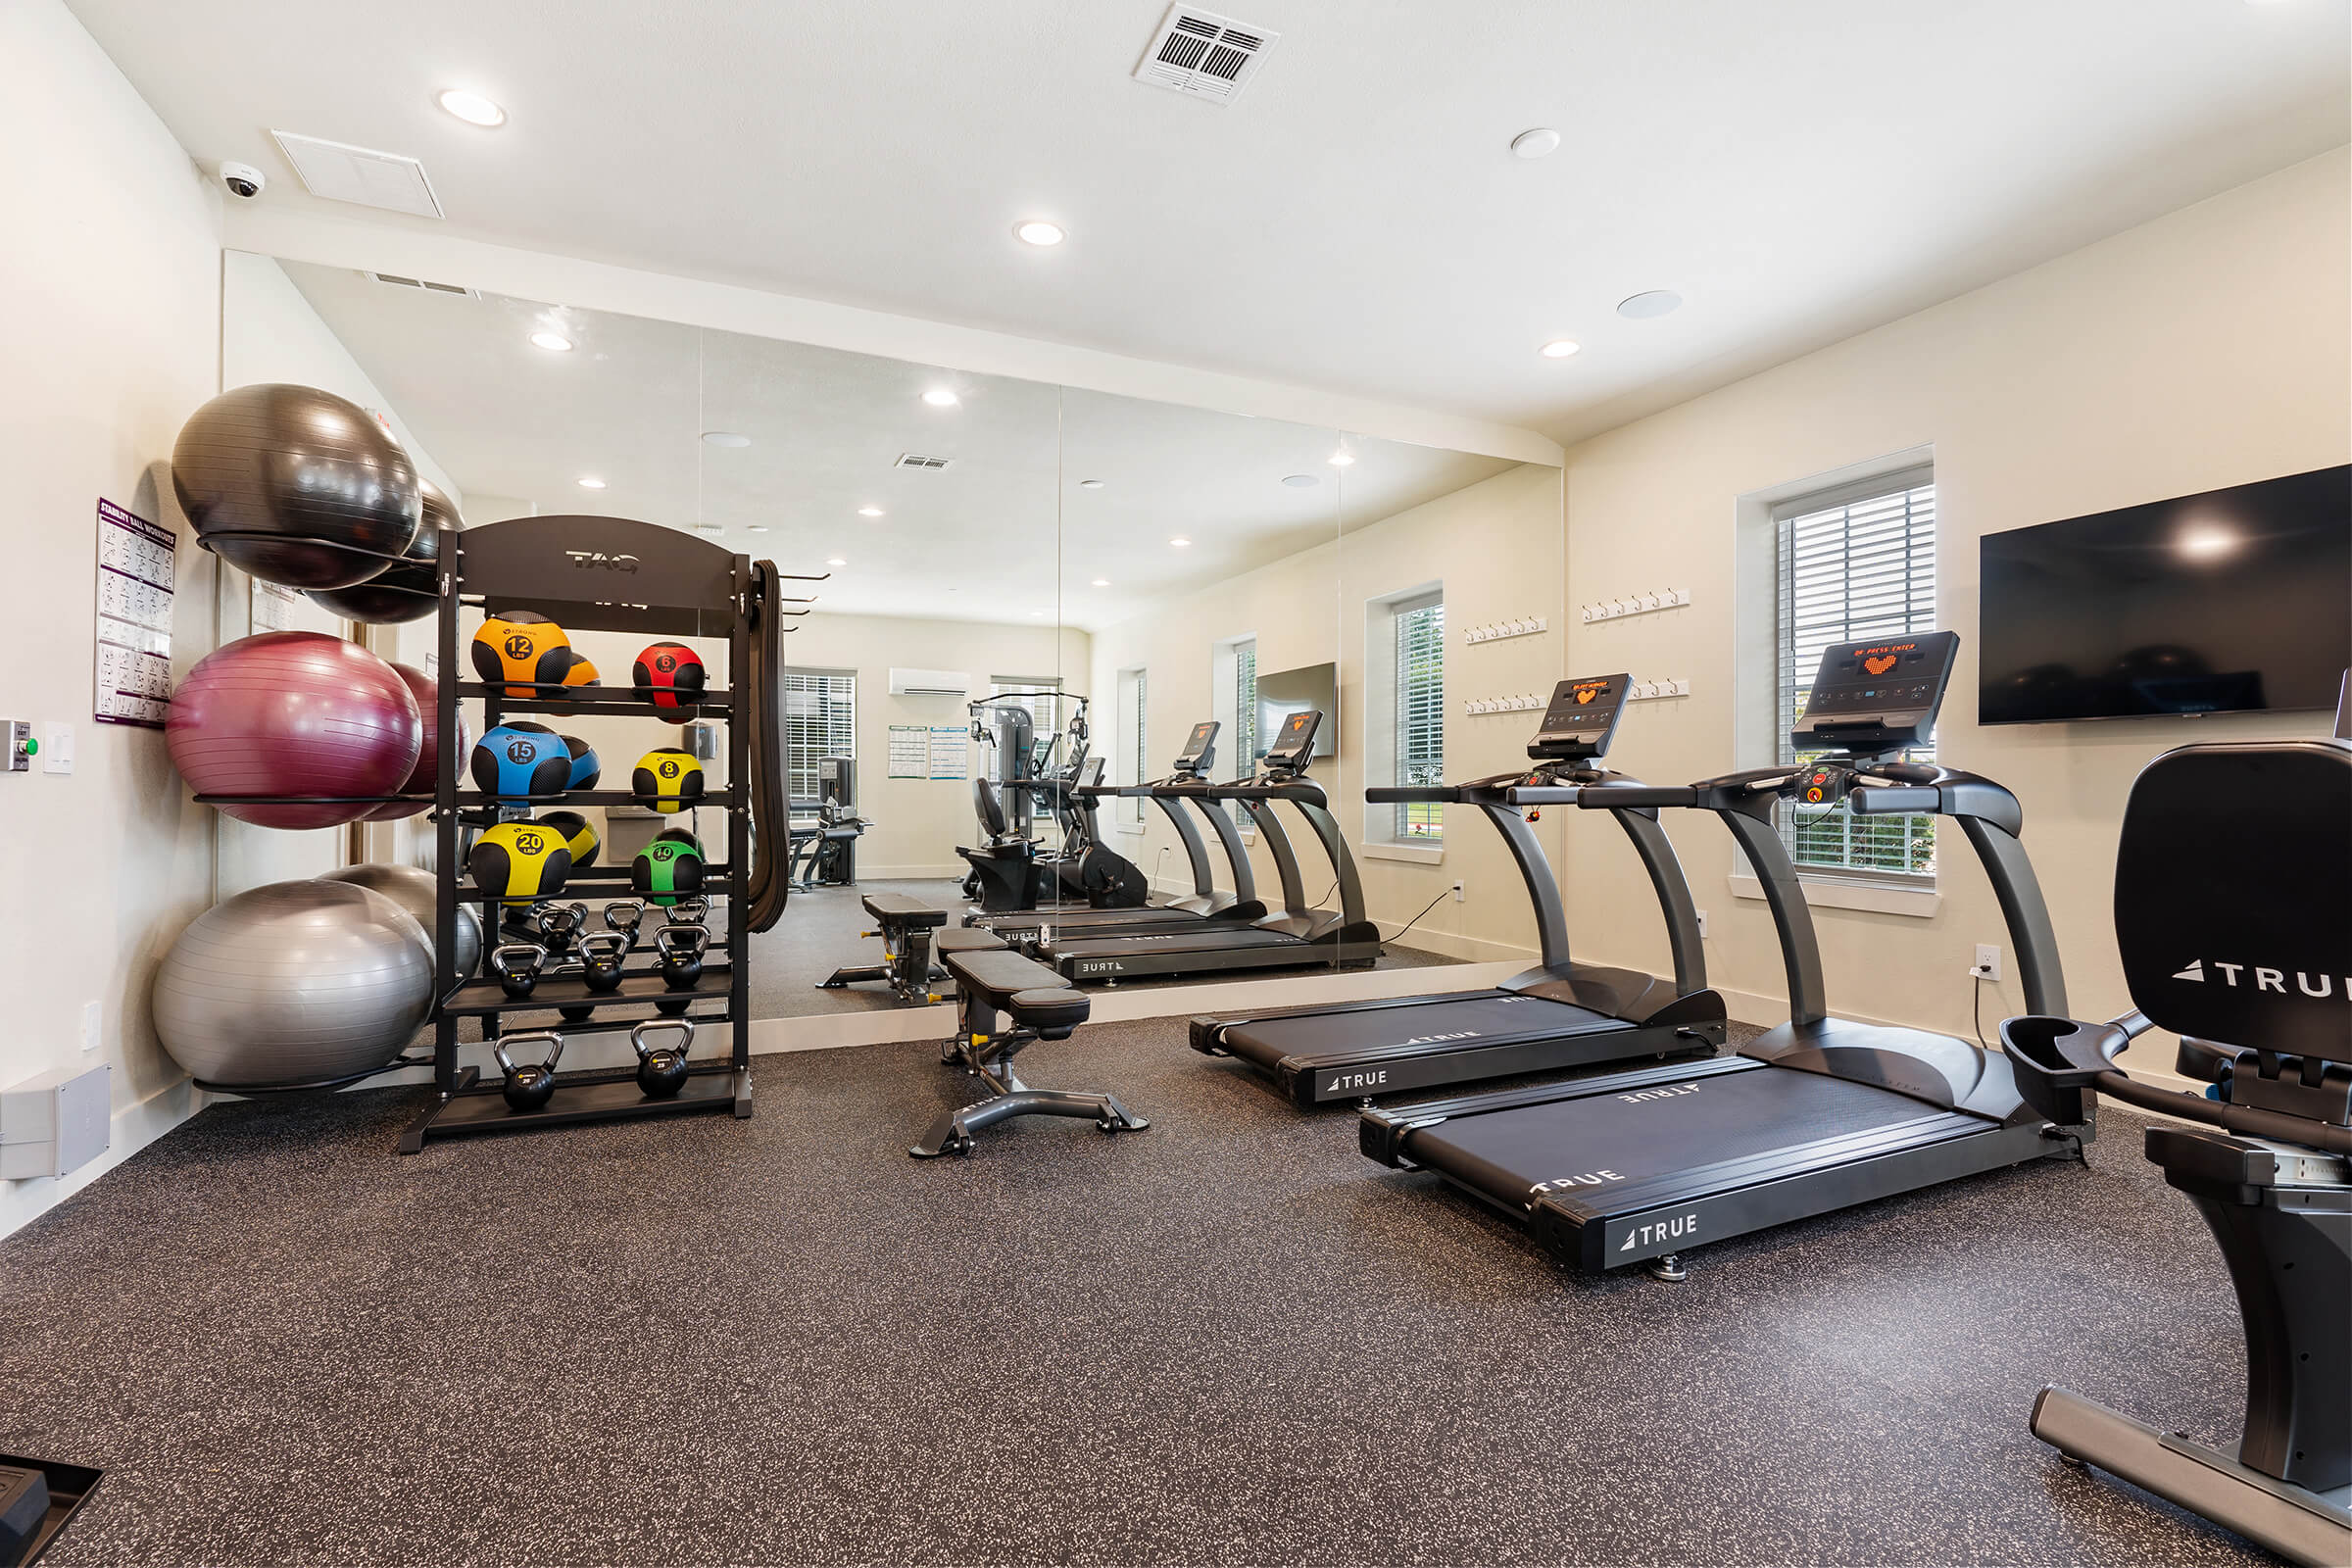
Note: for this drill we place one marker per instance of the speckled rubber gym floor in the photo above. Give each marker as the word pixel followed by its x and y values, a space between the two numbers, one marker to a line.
pixel 1230 1339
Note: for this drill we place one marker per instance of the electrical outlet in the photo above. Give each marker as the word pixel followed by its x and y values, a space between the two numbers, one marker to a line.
pixel 1703 925
pixel 1457 893
pixel 1988 961
pixel 93 1024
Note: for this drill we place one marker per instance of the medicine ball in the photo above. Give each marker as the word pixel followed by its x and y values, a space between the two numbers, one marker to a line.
pixel 519 861
pixel 679 835
pixel 522 646
pixel 294 713
pixel 666 871
pixel 411 587
pixel 425 777
pixel 585 770
pixel 577 836
pixel 577 671
pixel 670 676
pixel 519 761
pixel 668 779
pixel 296 486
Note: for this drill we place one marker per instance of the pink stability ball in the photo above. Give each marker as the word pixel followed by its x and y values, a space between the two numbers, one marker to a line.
pixel 423 777
pixel 294 712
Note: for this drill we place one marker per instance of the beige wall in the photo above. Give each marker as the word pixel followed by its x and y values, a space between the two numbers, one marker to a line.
pixel 2206 349
pixel 919 822
pixel 113 266
pixel 1492 547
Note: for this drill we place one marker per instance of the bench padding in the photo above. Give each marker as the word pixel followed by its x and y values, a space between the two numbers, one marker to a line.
pixel 896 908
pixel 965 939
pixel 1022 989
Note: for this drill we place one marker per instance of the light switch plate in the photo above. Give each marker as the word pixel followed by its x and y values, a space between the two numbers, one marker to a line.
pixel 57 747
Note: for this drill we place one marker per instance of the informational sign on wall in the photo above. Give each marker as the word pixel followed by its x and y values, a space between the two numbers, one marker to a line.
pixel 909 751
pixel 137 565
pixel 951 747
pixel 275 606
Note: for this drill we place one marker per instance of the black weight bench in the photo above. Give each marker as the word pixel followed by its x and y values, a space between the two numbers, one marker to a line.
pixel 910 930
pixel 997 986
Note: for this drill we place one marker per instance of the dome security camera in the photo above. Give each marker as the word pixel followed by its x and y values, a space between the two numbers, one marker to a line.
pixel 243 179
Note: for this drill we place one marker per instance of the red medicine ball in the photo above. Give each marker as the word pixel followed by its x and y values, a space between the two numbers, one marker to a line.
pixel 670 676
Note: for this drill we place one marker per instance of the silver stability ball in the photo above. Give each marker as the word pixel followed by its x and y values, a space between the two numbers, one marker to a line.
pixel 412 891
pixel 295 982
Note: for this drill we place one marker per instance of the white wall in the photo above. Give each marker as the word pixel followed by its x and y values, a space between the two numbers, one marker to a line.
pixel 1490 546
pixel 112 265
pixel 2206 349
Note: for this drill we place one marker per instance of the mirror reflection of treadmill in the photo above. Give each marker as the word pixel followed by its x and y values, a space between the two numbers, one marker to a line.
pixel 1561 1013
pixel 1298 935
pixel 1177 800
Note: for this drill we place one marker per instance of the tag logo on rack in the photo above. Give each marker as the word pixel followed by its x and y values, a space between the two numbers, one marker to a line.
pixel 584 559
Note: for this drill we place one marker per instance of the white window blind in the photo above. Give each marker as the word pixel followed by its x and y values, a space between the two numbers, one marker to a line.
pixel 1243 756
pixel 1040 695
pixel 1420 709
pixel 1140 762
pixel 1856 562
pixel 820 721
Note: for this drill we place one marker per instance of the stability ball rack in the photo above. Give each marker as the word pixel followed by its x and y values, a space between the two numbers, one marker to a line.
pixel 590 573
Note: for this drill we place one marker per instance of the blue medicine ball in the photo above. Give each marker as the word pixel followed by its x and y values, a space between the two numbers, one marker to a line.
pixel 517 760
pixel 585 770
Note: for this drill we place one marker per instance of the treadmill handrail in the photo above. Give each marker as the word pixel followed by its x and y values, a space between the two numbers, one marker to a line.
pixel 1303 792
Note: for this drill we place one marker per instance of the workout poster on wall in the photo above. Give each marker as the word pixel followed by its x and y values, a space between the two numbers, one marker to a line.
pixel 950 746
pixel 909 751
pixel 136 566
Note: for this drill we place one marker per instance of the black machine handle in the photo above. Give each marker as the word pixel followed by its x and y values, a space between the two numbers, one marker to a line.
pixel 1423 794
pixel 1613 795
pixel 1888 800
pixel 2054 1061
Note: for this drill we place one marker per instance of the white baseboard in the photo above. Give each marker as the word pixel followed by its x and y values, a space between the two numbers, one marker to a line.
pixel 128 1131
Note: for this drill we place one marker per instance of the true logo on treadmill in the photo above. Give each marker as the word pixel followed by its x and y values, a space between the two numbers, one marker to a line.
pixel 1101 966
pixel 1641 1095
pixel 1432 1040
pixel 2213 971
pixel 1354 1080
pixel 1591 1178
pixel 1680 1228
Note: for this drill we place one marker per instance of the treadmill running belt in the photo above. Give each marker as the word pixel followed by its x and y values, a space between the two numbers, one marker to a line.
pixel 1659 1131
pixel 1244 936
pixel 1478 1019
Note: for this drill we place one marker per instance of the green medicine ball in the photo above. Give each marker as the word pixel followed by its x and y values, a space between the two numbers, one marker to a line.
pixel 666 871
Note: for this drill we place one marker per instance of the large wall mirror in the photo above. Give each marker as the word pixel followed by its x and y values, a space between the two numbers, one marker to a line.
pixel 1028 604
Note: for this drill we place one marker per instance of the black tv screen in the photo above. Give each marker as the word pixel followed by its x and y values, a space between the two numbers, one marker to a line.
pixel 2232 601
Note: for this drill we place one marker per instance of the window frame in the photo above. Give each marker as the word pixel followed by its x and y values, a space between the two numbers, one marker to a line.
pixel 794 735
pixel 1131 738
pixel 1420 714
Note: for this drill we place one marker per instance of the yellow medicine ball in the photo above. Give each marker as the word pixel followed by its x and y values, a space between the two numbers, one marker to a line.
pixel 666 780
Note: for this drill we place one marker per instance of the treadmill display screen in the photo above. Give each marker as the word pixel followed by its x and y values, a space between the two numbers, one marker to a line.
pixel 1197 748
pixel 1582 719
pixel 1295 743
pixel 1873 697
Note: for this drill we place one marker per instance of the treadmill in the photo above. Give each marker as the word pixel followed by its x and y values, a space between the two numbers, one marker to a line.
pixel 1301 935
pixel 1027 928
pixel 1559 1014
pixel 1817 1115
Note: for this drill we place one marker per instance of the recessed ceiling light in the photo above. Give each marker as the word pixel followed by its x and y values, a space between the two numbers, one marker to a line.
pixel 1181 543
pixel 472 108
pixel 1559 348
pixel 835 560
pixel 1101 582
pixel 1648 306
pixel 708 527
pixel 1300 481
pixel 754 527
pixel 726 438
pixel 591 482
pixel 1090 484
pixel 553 342
pixel 870 512
pixel 1035 613
pixel 1037 231
pixel 1341 459
pixel 1541 142
pixel 939 397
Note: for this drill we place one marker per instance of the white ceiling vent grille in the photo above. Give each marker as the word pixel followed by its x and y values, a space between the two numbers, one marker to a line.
pixel 1204 54
pixel 346 174
pixel 424 283
pixel 915 459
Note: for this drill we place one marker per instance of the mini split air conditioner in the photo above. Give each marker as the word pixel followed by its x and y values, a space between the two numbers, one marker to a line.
pixel 929 682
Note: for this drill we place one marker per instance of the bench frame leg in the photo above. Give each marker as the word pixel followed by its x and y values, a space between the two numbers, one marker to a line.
pixel 990 1059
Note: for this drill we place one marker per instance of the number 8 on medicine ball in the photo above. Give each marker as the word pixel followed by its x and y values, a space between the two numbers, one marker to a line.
pixel 668 779
pixel 519 861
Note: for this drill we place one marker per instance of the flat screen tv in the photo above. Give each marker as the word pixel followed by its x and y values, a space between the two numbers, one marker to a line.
pixel 2232 601
pixel 1292 690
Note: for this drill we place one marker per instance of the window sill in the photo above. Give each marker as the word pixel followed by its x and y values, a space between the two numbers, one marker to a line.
pixel 1415 853
pixel 1832 893
pixel 1134 830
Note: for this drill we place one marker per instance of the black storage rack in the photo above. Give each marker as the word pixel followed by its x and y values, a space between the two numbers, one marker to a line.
pixel 587 573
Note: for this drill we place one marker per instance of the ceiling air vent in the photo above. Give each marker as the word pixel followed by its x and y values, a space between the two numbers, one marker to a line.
pixel 426 284
pixel 915 459
pixel 1204 54
pixel 345 174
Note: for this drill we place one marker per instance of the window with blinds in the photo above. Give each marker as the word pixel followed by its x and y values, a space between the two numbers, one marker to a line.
pixel 1244 752
pixel 820 721
pixel 1134 696
pixel 1041 697
pixel 1856 562
pixel 1420 625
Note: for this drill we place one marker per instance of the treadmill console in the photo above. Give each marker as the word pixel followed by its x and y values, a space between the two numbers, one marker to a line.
pixel 1294 744
pixel 1582 719
pixel 1200 751
pixel 1876 698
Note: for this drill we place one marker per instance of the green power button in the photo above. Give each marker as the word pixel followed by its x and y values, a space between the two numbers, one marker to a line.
pixel 31 746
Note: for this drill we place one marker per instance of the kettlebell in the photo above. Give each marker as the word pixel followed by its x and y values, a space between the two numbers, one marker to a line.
pixel 517 965
pixel 691 911
pixel 529 1085
pixel 662 1069
pixel 680 950
pixel 601 955
pixel 623 915
pixel 559 926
